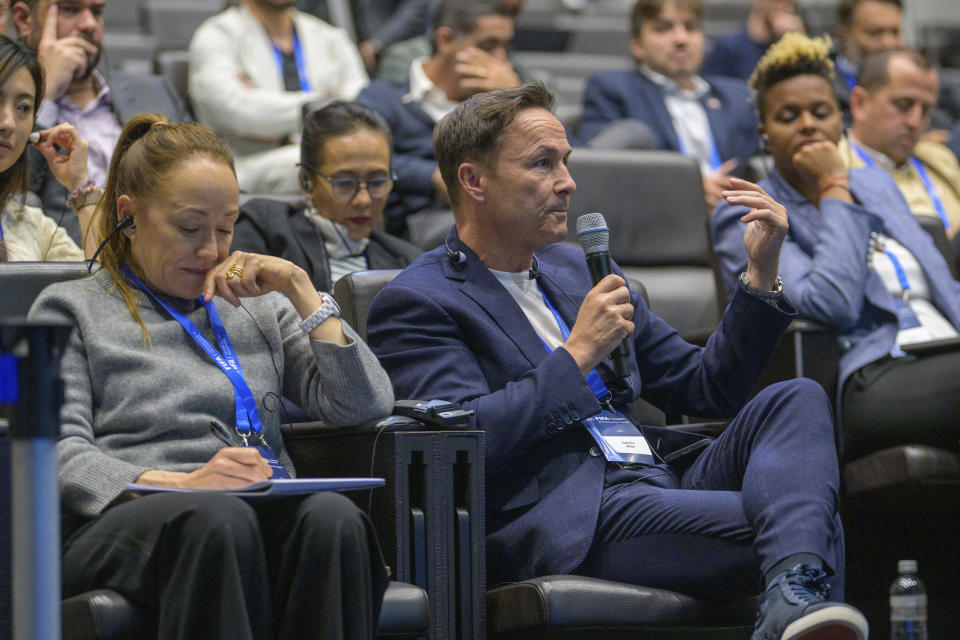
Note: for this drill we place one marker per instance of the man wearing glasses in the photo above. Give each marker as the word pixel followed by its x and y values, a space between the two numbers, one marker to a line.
pixel 345 176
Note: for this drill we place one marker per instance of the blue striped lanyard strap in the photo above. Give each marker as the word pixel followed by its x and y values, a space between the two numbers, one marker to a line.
pixel 248 419
pixel 593 378
pixel 924 178
pixel 898 268
pixel 298 58
pixel 715 160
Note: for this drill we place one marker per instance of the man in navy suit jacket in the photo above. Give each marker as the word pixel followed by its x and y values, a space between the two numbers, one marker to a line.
pixel 470 54
pixel 509 324
pixel 711 119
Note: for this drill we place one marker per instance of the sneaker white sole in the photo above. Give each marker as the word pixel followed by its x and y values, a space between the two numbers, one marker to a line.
pixel 839 622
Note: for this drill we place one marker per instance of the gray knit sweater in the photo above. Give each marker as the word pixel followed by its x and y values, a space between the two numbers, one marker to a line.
pixel 129 408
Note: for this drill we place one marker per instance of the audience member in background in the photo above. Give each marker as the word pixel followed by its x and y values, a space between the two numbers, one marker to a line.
pixel 25 233
pixel 504 319
pixel 707 118
pixel 381 23
pixel 146 401
pixel 253 68
pixel 395 60
pixel 345 176
pixel 863 27
pixel 378 23
pixel 470 43
pixel 68 40
pixel 735 55
pixel 854 259
pixel 891 107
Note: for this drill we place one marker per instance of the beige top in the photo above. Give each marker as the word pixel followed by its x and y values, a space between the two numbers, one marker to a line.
pixel 29 235
pixel 941 166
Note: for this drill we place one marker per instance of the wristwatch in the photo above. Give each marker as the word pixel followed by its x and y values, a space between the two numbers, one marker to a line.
pixel 324 311
pixel 763 294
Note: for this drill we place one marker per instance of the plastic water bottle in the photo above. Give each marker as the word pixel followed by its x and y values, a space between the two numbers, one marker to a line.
pixel 908 604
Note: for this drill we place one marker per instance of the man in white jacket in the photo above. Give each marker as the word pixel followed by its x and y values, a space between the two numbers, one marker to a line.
pixel 252 69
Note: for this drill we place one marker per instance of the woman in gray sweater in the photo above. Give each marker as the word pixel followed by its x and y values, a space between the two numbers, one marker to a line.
pixel 179 346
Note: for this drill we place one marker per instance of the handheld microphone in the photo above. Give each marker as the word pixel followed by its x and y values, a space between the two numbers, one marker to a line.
pixel 126 221
pixel 595 237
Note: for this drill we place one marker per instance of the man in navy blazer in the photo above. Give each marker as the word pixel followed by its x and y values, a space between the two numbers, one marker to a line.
pixel 709 118
pixel 507 322
pixel 470 41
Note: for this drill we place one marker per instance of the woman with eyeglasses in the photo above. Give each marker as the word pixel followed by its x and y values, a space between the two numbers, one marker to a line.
pixel 346 177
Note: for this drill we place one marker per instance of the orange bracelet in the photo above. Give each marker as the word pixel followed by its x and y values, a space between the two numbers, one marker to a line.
pixel 836 182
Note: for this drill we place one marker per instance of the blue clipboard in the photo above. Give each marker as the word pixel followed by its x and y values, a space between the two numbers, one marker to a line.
pixel 282 487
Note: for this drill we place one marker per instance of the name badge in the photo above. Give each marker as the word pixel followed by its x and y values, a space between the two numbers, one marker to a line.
pixel 271 459
pixel 906 315
pixel 618 438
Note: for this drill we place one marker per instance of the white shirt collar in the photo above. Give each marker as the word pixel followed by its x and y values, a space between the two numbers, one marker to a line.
pixel 423 90
pixel 700 86
pixel 880 158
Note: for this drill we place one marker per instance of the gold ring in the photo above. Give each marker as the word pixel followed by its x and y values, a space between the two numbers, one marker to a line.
pixel 236 271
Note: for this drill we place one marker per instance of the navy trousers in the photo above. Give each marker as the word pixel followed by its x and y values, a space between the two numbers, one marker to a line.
pixel 766 489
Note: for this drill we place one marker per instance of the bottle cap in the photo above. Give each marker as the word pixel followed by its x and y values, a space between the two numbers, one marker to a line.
pixel 907 566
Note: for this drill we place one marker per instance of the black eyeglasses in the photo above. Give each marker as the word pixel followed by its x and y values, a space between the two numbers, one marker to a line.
pixel 347 188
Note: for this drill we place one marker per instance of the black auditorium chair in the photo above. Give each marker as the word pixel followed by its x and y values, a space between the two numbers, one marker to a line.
pixel 104 614
pixel 575 607
pixel 896 503
pixel 654 205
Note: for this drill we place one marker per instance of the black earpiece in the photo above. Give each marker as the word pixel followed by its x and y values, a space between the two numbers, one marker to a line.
pixel 456 257
pixel 125 221
pixel 305 183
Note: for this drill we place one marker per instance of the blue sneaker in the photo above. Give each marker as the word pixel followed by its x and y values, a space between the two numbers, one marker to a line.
pixel 795 607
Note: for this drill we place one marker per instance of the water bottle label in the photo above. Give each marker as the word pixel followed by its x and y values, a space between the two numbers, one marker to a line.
pixel 908 607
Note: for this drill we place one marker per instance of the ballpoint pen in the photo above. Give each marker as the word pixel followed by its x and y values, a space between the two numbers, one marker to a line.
pixel 222 434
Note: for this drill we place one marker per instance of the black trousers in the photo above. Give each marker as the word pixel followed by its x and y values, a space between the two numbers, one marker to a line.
pixel 908 400
pixel 208 565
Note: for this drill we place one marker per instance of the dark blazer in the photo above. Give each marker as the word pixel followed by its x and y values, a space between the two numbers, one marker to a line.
pixel 413 160
pixel 620 94
pixel 280 229
pixel 453 332
pixel 131 94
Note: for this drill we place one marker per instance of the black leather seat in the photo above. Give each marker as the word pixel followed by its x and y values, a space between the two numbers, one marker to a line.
pixel 573 607
pixel 654 204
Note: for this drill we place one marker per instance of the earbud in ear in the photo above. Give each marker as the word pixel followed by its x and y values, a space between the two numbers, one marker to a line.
pixel 305 182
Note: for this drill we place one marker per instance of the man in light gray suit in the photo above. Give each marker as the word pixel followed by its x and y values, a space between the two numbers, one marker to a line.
pixel 68 39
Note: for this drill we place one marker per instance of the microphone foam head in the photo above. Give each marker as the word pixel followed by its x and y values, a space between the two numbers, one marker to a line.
pixel 593 233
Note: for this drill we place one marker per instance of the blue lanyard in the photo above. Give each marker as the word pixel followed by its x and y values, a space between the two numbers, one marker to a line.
pixel 593 378
pixel 931 192
pixel 298 58
pixel 246 407
pixel 924 178
pixel 850 79
pixel 901 274
pixel 715 160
